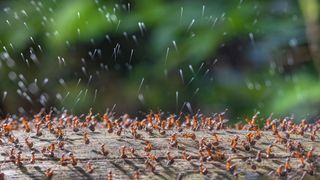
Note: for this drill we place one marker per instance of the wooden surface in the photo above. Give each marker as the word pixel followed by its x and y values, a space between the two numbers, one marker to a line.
pixel 125 168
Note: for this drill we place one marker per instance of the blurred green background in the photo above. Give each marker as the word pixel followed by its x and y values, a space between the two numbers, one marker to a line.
pixel 170 55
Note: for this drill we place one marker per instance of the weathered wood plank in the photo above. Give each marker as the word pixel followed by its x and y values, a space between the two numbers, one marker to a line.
pixel 125 168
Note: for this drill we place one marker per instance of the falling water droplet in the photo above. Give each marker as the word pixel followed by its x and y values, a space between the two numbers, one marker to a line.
pixel 95 95
pixel 84 70
pixel 196 91
pixel 89 80
pixel 177 100
pixel 203 9
pixel 5 93
pixel 45 81
pixel 251 39
pixel 7 21
pixel 141 84
pixel 181 75
pixel 130 56
pixel 78 31
pixel 202 64
pixel 62 82
pixel 191 69
pixel 79 80
pixel 181 13
pixel 129 7
pixel 189 107
pixel 175 45
pixel 190 81
pixel 141 98
pixel 167 53
pixel 190 25
pixel 141 28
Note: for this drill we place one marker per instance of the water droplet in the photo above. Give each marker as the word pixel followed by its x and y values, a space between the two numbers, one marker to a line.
pixel 95 95
pixel 196 91
pixel 251 39
pixel 45 81
pixel 167 53
pixel 190 25
pixel 130 56
pixel 78 31
pixel 62 82
pixel 181 75
pixel 25 24
pixel 84 70
pixel 190 81
pixel 24 12
pixel 142 80
pixel 5 93
pixel 203 9
pixel 175 45
pixel 7 21
pixel 191 69
pixel 140 24
pixel 189 107
pixel 141 98
pixel 177 100
pixel 202 64
pixel 135 39
pixel 181 13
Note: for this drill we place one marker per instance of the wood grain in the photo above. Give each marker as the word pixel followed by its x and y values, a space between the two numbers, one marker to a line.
pixel 126 168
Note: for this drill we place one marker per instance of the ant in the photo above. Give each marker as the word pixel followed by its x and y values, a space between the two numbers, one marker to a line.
pixel 63 160
pixel 229 166
pixel 173 140
pixel 89 167
pixel 313 135
pixel 123 152
pixel 132 150
pixel 51 148
pixel 149 165
pixel 61 144
pixel 12 154
pixel 216 140
pixel 119 131
pixel 202 169
pixel 302 165
pixel 38 130
pixel 137 175
pixel 103 150
pixel 152 157
pixel 186 156
pixel 258 157
pixel 49 173
pixel 269 154
pixel 33 158
pixel 74 161
pixel 18 159
pixel 26 125
pixel 170 159
pixel 245 145
pixel 148 147
pixel 189 135
pixel 110 176
pixel 234 143
pixel 287 165
pixel 281 171
pixel 310 154
pixel 86 138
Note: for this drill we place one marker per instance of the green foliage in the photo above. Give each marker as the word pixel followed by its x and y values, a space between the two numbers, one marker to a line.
pixel 257 32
